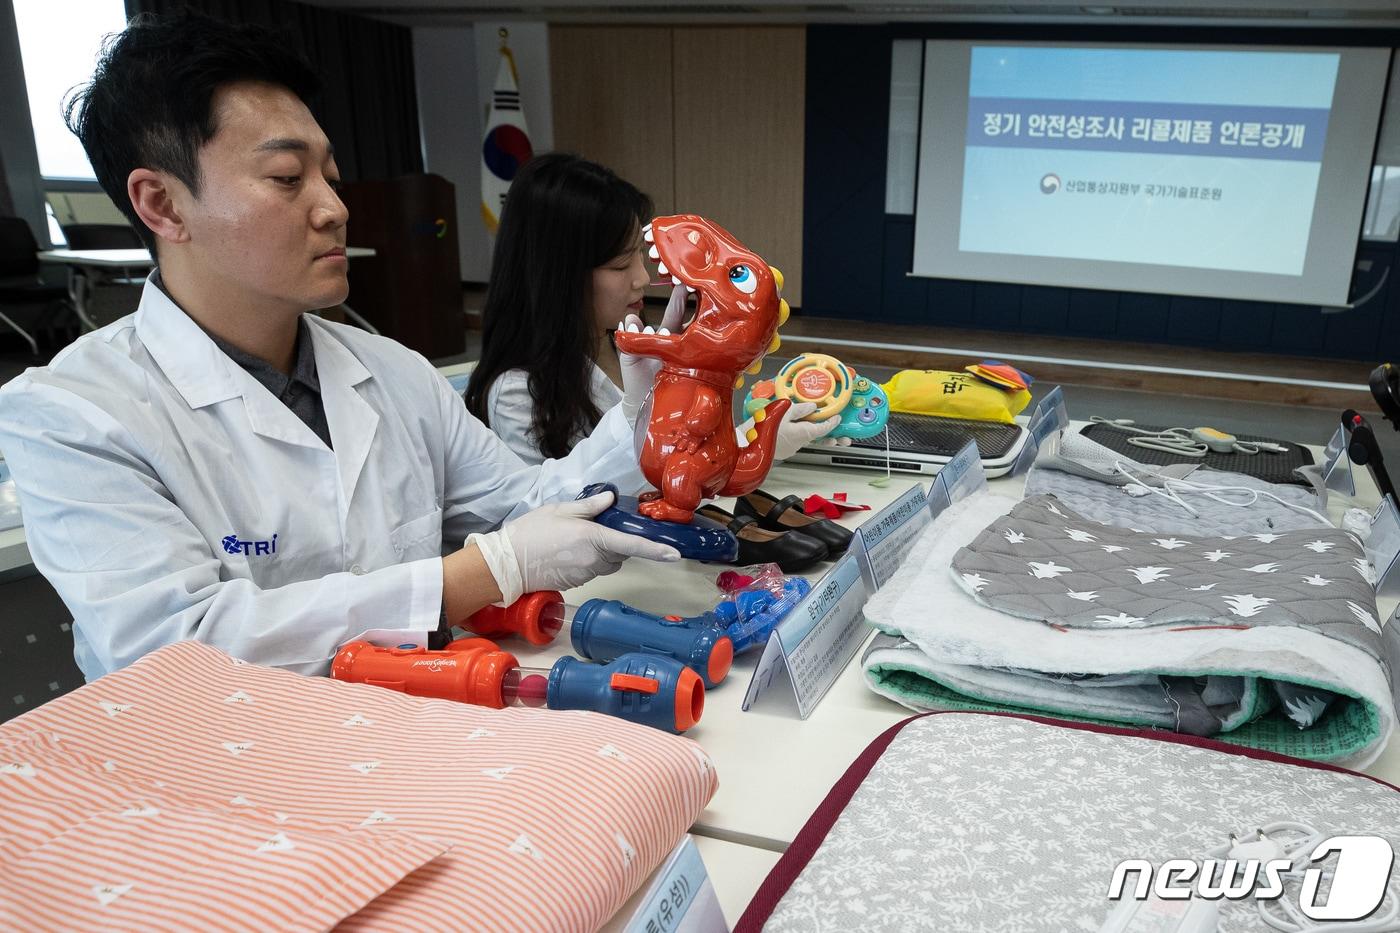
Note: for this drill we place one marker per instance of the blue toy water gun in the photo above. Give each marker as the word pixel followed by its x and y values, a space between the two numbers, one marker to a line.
pixel 645 688
pixel 604 629
pixel 750 616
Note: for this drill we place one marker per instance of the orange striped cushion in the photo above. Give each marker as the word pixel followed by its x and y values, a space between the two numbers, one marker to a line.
pixel 553 818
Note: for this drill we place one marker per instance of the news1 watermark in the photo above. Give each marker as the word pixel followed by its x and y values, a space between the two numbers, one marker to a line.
pixel 1358 881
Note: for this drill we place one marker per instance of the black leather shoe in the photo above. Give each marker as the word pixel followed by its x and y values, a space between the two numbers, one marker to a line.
pixel 787 514
pixel 791 550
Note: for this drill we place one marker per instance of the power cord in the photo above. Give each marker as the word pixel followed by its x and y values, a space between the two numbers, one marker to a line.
pixel 1188 442
pixel 1172 488
pixel 1296 842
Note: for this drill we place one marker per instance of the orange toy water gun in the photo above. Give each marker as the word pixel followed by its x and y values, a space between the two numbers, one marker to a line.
pixel 649 689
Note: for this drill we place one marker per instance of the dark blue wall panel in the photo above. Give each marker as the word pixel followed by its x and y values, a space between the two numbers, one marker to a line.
pixel 1248 324
pixel 949 302
pixel 905 296
pixel 1142 317
pixel 1046 310
pixel 856 258
pixel 1194 321
pixel 843 205
pixel 1093 313
pixel 996 306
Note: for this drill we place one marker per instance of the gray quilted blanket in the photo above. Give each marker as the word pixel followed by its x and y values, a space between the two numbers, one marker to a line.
pixel 1108 503
pixel 1269 640
pixel 1044 561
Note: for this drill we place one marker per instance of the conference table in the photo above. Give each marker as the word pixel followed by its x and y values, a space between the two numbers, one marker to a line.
pixel 774 767
pixel 88 268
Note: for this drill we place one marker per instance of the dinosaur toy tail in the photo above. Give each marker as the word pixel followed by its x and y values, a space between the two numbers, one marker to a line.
pixel 755 459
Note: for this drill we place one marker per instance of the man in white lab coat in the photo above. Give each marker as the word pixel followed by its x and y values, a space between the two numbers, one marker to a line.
pixel 222 466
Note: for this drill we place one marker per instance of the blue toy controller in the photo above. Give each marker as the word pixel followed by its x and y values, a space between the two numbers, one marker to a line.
pixel 867 414
pixel 703 539
pixel 835 389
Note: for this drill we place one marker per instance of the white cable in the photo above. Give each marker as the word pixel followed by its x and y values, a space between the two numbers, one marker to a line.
pixel 1171 487
pixel 1297 852
pixel 1188 442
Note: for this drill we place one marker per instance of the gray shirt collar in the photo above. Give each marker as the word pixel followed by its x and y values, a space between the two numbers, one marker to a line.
pixel 272 378
pixel 303 366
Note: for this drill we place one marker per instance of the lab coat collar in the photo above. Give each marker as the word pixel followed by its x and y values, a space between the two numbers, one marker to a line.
pixel 198 369
pixel 204 375
pixel 352 420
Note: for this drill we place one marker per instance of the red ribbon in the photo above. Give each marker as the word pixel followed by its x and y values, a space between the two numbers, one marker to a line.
pixel 831 508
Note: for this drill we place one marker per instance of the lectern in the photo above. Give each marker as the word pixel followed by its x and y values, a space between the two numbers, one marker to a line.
pixel 411 289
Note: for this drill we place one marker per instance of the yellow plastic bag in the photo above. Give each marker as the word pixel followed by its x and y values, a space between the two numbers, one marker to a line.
pixel 953 395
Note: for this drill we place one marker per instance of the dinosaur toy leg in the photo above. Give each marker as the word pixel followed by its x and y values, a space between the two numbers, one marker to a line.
pixel 682 487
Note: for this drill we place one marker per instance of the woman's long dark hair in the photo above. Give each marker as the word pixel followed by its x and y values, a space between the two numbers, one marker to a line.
pixel 564 216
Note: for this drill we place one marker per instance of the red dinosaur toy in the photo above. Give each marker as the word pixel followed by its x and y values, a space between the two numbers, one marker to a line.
pixel 691 452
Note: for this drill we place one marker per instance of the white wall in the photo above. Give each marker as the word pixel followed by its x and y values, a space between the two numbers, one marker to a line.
pixel 455 69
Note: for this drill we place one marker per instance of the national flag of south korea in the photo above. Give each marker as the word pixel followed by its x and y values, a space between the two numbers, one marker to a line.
pixel 507 143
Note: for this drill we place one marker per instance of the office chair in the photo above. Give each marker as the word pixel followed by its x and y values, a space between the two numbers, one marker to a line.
pixel 110 293
pixel 101 236
pixel 20 284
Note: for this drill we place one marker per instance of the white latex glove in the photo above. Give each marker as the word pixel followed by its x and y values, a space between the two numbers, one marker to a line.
pixel 557 547
pixel 639 372
pixel 794 434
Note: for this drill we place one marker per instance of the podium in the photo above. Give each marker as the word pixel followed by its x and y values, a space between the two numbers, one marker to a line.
pixel 411 289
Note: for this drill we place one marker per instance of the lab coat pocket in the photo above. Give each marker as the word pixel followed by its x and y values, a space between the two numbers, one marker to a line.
pixel 419 538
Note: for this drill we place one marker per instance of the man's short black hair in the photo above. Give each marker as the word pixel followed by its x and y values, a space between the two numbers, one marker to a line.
pixel 148 104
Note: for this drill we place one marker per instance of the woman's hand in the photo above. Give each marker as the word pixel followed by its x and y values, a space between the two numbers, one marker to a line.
pixel 639 372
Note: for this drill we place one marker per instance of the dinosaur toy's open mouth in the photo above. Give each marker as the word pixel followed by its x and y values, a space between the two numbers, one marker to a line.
pixel 654 254
pixel 671 275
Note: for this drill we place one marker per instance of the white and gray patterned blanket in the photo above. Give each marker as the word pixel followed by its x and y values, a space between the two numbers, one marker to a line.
pixel 992 823
pixel 1043 561
pixel 1270 640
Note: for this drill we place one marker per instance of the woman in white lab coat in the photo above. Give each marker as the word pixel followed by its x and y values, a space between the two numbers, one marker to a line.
pixel 568 266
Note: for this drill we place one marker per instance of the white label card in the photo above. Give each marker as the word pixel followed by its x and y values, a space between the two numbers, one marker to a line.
pixel 1044 425
pixel 1383 547
pixel 681 898
pixel 1336 465
pixel 1053 407
pixel 886 536
pixel 960 477
pixel 817 638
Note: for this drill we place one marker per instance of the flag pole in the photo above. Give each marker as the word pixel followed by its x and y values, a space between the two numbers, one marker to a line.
pixel 504 34
pixel 506 144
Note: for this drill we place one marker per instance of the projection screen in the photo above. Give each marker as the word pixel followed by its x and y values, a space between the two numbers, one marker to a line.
pixel 1207 170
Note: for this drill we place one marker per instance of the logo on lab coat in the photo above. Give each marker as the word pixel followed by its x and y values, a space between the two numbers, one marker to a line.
pixel 232 545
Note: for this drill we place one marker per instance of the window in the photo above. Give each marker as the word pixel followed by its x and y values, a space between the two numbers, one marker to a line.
pixel 1383 204
pixel 59 43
